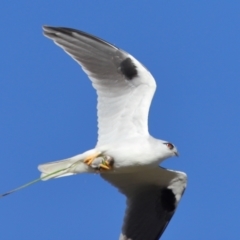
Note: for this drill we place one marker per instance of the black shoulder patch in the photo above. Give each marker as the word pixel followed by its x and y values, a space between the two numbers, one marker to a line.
pixel 128 69
pixel 168 199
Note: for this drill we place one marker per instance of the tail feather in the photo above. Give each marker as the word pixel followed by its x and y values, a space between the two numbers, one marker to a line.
pixel 52 167
pixel 66 167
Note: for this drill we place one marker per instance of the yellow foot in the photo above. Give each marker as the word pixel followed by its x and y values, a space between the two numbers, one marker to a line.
pixel 106 164
pixel 99 162
pixel 88 160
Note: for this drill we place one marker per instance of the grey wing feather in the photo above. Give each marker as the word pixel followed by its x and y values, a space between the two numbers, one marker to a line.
pixel 95 55
pixel 124 86
pixel 152 199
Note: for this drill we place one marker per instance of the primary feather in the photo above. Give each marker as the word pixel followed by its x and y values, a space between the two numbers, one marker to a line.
pixel 125 89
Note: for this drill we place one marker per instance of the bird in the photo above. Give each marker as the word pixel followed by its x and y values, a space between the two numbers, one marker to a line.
pixel 125 155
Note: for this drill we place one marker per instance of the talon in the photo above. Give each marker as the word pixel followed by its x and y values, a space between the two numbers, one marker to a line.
pixel 106 164
pixel 99 162
pixel 88 160
pixel 103 166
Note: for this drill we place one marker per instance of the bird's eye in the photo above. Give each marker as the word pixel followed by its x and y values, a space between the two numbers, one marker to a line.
pixel 170 146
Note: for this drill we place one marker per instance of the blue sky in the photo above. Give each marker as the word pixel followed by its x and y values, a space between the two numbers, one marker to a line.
pixel 48 113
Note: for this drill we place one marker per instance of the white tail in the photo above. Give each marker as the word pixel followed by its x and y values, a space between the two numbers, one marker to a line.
pixel 66 167
pixel 61 168
pixel 52 167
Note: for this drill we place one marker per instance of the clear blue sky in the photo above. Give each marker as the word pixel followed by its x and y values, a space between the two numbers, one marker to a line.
pixel 48 113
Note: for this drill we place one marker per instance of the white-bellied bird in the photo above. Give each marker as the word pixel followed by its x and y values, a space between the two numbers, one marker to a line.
pixel 126 155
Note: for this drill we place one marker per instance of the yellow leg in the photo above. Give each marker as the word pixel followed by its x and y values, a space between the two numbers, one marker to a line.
pixel 88 160
pixel 104 167
pixel 105 164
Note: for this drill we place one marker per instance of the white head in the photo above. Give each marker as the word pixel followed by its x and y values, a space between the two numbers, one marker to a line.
pixel 168 150
pixel 172 149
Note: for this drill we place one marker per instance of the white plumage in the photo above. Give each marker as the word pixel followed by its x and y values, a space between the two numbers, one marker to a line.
pixel 125 89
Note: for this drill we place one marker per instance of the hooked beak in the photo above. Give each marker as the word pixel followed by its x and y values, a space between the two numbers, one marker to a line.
pixel 176 154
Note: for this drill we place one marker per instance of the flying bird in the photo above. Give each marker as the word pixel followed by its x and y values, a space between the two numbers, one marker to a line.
pixel 125 155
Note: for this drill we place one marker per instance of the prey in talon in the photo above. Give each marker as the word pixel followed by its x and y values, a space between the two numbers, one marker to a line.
pixel 102 163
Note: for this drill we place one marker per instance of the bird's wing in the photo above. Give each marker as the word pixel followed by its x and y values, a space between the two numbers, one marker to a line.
pixel 124 86
pixel 152 198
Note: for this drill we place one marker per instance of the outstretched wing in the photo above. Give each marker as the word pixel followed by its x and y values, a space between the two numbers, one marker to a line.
pixel 124 86
pixel 152 198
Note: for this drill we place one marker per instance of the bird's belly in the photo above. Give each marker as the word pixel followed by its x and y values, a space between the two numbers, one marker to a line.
pixel 133 154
